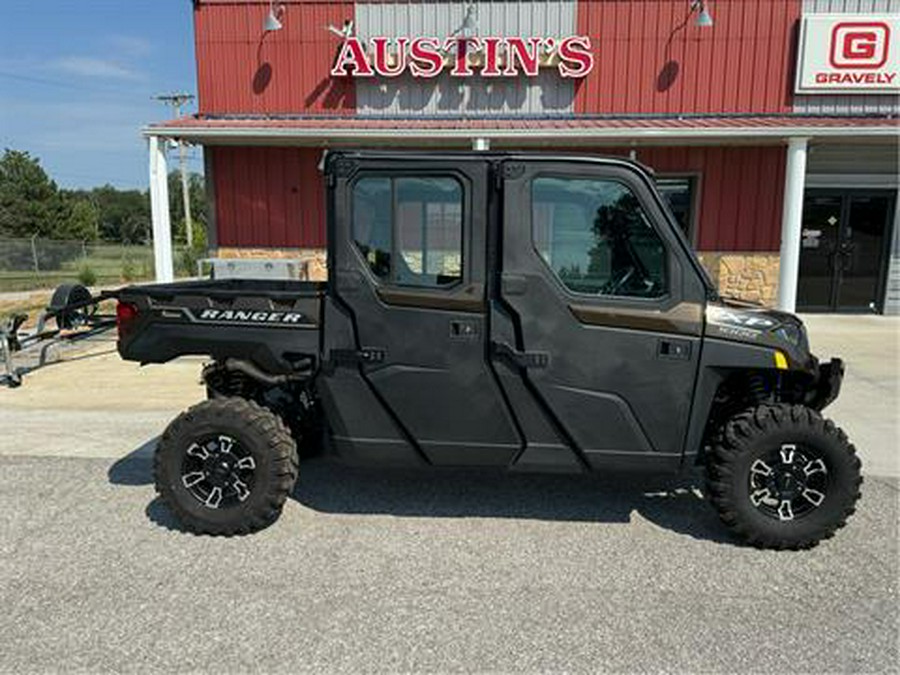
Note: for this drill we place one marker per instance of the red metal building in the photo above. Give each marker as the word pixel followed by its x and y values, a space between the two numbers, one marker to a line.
pixel 771 123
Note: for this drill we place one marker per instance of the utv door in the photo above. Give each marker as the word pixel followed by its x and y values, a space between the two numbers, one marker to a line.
pixel 408 240
pixel 605 308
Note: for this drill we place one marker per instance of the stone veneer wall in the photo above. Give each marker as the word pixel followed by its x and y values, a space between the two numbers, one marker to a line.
pixel 315 258
pixel 748 276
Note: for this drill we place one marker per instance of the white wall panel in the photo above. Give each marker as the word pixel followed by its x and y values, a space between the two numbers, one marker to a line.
pixel 446 95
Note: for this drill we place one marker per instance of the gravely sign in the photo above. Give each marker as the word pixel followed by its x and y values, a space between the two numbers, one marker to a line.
pixel 465 56
pixel 850 53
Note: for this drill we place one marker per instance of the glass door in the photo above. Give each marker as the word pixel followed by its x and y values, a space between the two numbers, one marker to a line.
pixel 843 251
pixel 822 215
pixel 862 251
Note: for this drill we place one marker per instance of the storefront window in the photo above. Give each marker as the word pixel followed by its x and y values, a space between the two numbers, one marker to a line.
pixel 679 195
pixel 596 238
pixel 409 230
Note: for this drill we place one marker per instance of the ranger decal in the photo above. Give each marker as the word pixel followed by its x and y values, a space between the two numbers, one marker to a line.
pixel 250 316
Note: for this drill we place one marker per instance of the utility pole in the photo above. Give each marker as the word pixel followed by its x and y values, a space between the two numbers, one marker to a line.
pixel 177 101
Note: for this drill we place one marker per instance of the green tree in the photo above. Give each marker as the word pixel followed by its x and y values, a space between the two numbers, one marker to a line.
pixel 124 215
pixel 84 220
pixel 30 202
pixel 197 191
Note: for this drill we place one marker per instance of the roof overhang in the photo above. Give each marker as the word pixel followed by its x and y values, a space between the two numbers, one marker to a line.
pixel 355 130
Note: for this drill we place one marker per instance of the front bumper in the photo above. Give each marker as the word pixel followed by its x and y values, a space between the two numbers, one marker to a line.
pixel 827 385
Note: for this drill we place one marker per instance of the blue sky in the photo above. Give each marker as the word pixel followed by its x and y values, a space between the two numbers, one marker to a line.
pixel 77 80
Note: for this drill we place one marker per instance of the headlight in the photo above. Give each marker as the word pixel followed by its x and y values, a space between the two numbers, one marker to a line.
pixel 794 334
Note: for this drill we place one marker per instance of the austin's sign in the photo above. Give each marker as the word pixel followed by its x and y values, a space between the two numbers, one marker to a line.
pixel 849 53
pixel 427 57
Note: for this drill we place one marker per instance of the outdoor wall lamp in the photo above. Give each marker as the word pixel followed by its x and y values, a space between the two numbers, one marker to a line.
pixel 704 18
pixel 274 17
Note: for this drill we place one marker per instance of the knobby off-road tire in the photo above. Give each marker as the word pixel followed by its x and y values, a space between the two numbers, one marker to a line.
pixel 225 467
pixel 770 465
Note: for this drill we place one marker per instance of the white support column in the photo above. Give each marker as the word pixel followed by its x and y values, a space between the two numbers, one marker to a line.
pixel 791 221
pixel 159 209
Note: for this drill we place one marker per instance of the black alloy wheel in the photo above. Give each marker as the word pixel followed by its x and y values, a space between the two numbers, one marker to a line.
pixel 782 476
pixel 789 482
pixel 218 471
pixel 225 467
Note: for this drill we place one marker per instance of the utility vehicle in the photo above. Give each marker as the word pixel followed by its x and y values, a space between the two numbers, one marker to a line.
pixel 532 312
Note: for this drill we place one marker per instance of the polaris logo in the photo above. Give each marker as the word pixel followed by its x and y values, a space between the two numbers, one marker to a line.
pixel 250 316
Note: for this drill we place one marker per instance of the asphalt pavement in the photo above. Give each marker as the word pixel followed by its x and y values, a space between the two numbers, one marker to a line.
pixel 407 571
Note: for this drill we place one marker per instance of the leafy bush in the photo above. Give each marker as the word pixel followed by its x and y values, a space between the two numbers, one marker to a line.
pixel 187 261
pixel 128 271
pixel 86 275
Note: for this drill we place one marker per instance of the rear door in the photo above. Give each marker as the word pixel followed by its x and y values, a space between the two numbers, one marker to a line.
pixel 605 307
pixel 409 244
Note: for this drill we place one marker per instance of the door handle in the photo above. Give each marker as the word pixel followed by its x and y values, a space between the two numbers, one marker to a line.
pixel 677 350
pixel 501 350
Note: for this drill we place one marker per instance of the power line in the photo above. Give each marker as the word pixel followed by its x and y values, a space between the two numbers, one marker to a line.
pixel 177 101
pixel 64 85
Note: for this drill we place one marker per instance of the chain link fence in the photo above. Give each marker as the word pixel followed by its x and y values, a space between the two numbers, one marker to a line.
pixel 27 264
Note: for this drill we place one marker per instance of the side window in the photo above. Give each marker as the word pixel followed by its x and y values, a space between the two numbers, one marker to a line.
pixel 410 230
pixel 679 195
pixel 596 238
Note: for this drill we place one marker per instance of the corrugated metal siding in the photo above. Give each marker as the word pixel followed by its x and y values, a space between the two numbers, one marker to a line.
pixel 856 158
pixel 846 104
pixel 740 193
pixel 268 197
pixel 892 293
pixel 241 69
pixel 653 58
pixel 274 197
pixel 848 6
pixel 470 96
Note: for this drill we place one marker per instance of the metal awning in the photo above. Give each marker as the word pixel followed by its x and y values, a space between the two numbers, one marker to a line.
pixel 343 130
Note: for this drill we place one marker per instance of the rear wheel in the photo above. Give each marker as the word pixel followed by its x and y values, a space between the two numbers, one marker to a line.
pixel 782 476
pixel 226 466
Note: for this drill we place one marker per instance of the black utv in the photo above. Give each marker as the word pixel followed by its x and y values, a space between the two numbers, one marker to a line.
pixel 532 312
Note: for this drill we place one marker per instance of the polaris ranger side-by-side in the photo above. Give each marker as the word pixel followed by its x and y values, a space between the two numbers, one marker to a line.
pixel 496 310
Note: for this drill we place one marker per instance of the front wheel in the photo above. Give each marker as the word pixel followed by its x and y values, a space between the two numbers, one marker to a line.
pixel 226 466
pixel 783 477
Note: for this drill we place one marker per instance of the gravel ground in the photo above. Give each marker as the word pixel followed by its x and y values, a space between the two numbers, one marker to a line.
pixel 398 571
pixel 458 571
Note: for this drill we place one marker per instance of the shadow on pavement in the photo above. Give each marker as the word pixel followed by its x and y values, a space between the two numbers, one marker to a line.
pixel 135 468
pixel 672 502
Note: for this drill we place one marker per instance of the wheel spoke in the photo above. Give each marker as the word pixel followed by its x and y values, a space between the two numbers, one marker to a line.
pixel 815 466
pixel 814 497
pixel 787 453
pixel 225 444
pixel 191 479
pixel 246 463
pixel 241 488
pixel 214 498
pixel 785 512
pixel 759 496
pixel 761 468
pixel 198 451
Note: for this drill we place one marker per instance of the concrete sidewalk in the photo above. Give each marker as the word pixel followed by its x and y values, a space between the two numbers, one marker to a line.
pixel 869 405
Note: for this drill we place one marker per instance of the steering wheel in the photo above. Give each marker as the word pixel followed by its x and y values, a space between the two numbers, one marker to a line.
pixel 613 286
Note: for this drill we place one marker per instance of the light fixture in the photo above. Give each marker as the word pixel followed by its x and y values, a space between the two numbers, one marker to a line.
pixel 274 17
pixel 704 18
